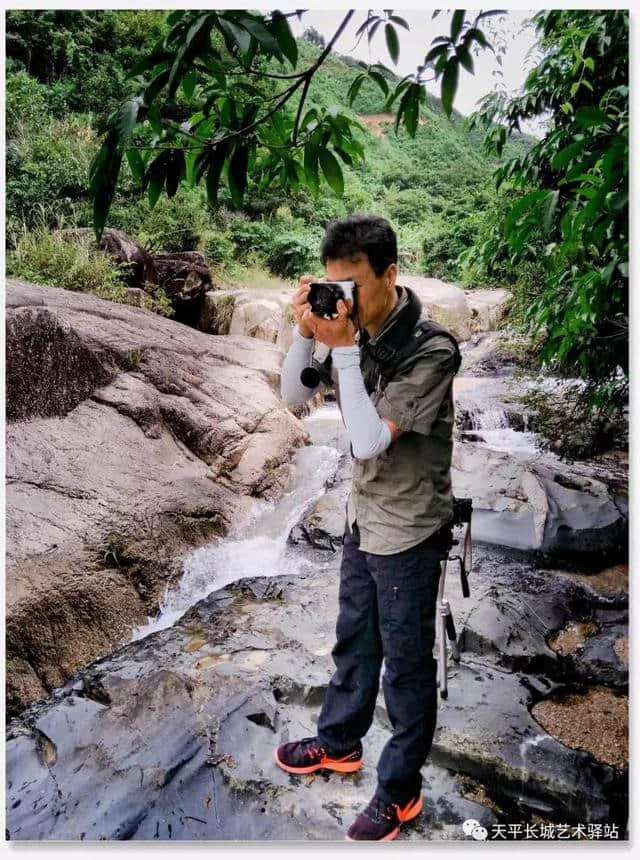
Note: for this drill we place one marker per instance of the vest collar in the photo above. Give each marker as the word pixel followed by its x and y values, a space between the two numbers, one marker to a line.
pixel 396 328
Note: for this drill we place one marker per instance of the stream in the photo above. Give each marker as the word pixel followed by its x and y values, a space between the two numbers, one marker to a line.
pixel 267 552
pixel 178 727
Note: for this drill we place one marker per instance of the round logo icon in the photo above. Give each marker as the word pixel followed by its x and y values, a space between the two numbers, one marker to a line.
pixel 473 828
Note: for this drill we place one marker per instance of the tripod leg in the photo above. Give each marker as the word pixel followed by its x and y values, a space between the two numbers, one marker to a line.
pixel 451 634
pixel 442 635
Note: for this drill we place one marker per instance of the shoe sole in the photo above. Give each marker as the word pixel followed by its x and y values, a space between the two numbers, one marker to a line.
pixel 404 815
pixel 338 766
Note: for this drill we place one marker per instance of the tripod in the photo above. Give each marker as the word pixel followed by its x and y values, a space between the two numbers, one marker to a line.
pixel 446 629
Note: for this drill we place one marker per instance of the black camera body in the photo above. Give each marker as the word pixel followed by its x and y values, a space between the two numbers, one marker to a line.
pixel 324 297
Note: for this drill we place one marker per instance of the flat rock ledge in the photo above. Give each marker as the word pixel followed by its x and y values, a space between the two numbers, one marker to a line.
pixel 131 439
pixel 172 737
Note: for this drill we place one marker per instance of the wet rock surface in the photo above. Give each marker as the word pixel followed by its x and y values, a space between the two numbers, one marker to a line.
pixel 131 439
pixel 172 737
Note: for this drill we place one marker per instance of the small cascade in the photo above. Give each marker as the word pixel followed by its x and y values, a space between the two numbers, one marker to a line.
pixel 257 546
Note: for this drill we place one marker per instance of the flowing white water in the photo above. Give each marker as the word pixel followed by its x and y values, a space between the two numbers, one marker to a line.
pixel 257 545
pixel 487 400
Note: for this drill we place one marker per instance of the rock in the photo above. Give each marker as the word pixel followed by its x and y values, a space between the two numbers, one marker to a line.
pixel 173 736
pixel 185 278
pixel 442 302
pixel 529 505
pixel 217 311
pixel 131 440
pixel 135 297
pixel 259 318
pixel 488 307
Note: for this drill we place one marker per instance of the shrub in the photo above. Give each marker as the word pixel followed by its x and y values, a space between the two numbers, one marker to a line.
pixel 25 102
pixel 174 224
pixel 291 256
pixel 49 167
pixel 441 249
pixel 45 258
pixel 251 235
pixel 218 247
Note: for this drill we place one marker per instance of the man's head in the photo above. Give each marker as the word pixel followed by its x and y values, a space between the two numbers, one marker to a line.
pixel 364 249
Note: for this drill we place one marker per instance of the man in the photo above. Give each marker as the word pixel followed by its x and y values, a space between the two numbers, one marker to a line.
pixel 399 418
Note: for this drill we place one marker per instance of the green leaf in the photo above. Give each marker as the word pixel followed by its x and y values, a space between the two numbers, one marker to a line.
pixel 175 172
pixel 332 171
pixel 398 20
pixel 590 117
pixel 475 35
pixel 354 89
pixel 153 59
pixel 449 85
pixel 135 163
pixel 412 108
pixel 465 59
pixel 156 184
pixel 104 173
pixel 156 85
pixel 565 155
pixel 238 173
pixel 588 61
pixel 457 21
pixel 281 30
pixel 380 81
pixel 193 41
pixel 213 174
pixel 435 52
pixel 127 118
pixel 311 167
pixel 189 83
pixel 549 207
pixel 519 208
pixel 235 34
pixel 392 43
pixel 153 115
pixel 404 101
pixel 259 31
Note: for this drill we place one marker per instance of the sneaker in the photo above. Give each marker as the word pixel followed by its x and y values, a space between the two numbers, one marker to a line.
pixel 307 756
pixel 380 821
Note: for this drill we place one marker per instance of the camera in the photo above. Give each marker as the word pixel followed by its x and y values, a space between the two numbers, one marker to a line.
pixel 325 295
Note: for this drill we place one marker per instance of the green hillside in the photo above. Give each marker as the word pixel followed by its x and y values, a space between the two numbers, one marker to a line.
pixel 65 73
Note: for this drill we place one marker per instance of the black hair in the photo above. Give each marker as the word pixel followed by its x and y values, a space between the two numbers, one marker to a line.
pixel 353 235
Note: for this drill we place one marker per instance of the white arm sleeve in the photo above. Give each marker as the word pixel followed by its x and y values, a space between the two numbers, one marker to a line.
pixel 369 434
pixel 297 358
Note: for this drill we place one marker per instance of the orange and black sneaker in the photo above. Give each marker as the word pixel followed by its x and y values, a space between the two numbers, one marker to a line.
pixel 308 755
pixel 380 821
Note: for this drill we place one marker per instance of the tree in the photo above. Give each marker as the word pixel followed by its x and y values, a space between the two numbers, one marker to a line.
pixel 572 190
pixel 312 36
pixel 250 116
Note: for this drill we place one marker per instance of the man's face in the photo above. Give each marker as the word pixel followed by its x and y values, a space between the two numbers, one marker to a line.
pixel 374 294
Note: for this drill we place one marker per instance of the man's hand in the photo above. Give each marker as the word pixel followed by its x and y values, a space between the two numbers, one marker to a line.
pixel 300 304
pixel 338 332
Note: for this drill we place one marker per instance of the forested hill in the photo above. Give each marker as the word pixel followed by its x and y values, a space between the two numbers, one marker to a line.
pixel 66 73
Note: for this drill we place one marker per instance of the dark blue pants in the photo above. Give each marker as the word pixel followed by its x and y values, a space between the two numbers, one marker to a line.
pixel 387 606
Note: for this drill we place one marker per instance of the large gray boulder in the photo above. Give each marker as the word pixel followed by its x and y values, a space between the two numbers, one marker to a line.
pixel 535 505
pixel 131 439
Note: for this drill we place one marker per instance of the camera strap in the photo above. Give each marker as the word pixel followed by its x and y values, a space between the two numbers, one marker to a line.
pixel 403 339
pixel 379 360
